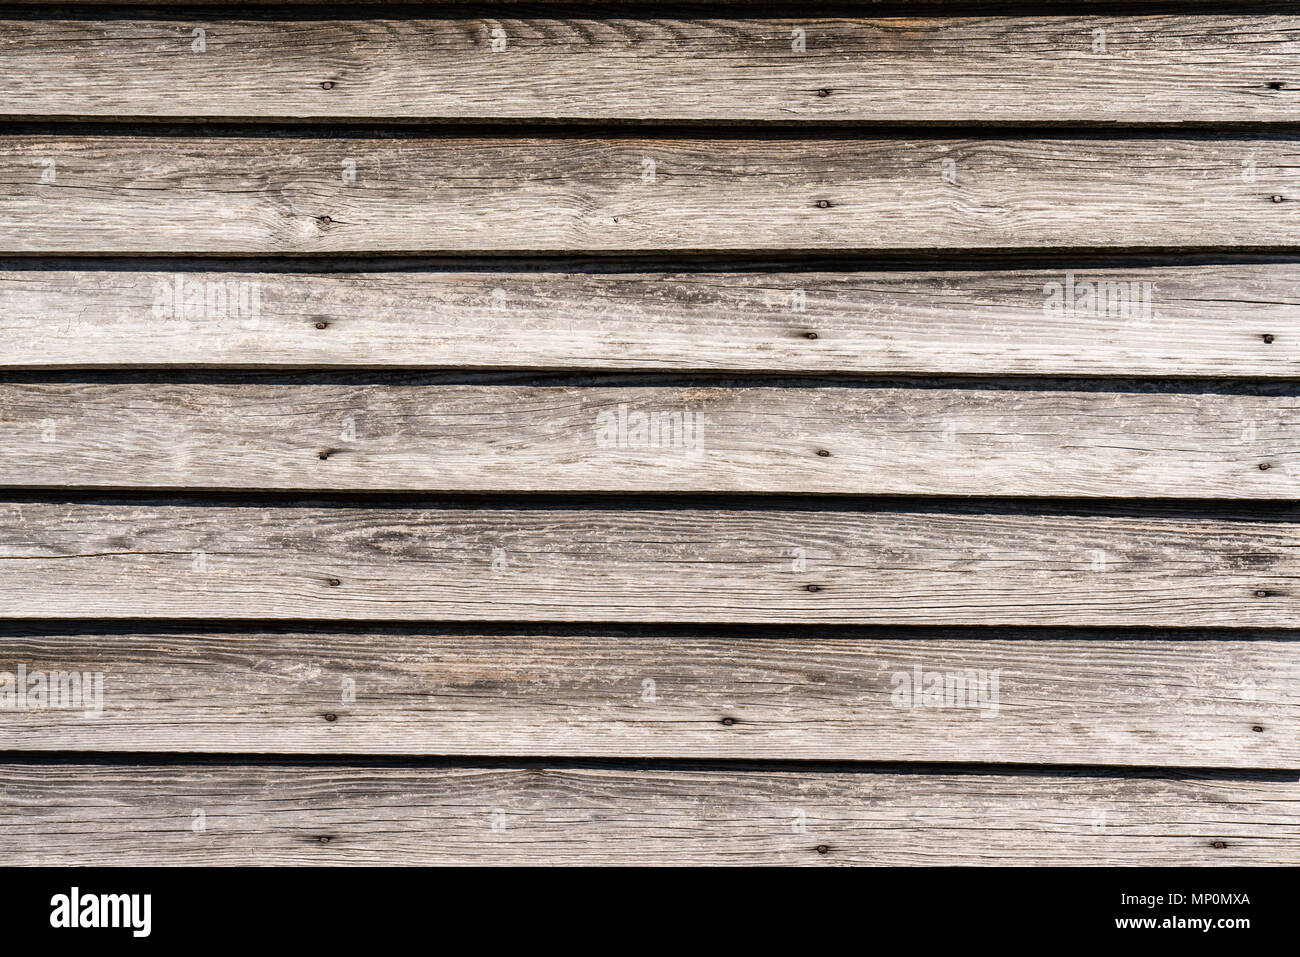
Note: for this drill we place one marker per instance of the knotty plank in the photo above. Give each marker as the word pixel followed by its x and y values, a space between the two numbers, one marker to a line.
pixel 1154 69
pixel 585 438
pixel 1208 320
pixel 169 194
pixel 1059 699
pixel 780 565
pixel 544 814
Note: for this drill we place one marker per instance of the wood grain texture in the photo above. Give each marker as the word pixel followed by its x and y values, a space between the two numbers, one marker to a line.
pixel 294 814
pixel 775 565
pixel 1198 320
pixel 628 438
pixel 1154 69
pixel 173 194
pixel 1060 699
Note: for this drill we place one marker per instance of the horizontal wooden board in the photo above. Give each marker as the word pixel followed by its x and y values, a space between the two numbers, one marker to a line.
pixel 729 438
pixel 1153 69
pixel 511 814
pixel 171 194
pixel 1200 320
pixel 1063 699
pixel 780 565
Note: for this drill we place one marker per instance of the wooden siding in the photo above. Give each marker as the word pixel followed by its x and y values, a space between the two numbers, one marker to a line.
pixel 846 566
pixel 597 438
pixel 1154 69
pixel 1169 321
pixel 1140 699
pixel 626 438
pixel 540 814
pixel 292 193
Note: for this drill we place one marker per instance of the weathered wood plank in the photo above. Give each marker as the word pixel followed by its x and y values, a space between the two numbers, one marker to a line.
pixel 628 438
pixel 525 814
pixel 1059 699
pixel 176 194
pixel 1154 69
pixel 779 565
pixel 1208 320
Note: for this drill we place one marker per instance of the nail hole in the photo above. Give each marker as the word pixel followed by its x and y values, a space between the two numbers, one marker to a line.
pixel 810 335
pixel 826 203
pixel 1218 845
pixel 823 849
pixel 321 325
pixel 823 453
pixel 331 717
pixel 1277 199
pixel 324 455
pixel 814 588
pixel 1276 85
pixel 1263 466
pixel 1261 594
pixel 728 721
pixel 324 220
pixel 327 85
pixel 823 92
pixel 324 839
pixel 1268 337
pixel 1257 728
pixel 333 582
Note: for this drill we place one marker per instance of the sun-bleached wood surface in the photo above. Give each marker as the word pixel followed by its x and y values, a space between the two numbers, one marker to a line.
pixel 636 564
pixel 596 438
pixel 1173 69
pixel 504 813
pixel 324 343
pixel 1170 321
pixel 1065 697
pixel 295 193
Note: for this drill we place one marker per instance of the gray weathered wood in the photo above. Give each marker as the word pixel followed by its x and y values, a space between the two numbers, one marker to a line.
pixel 1177 321
pixel 1062 699
pixel 287 194
pixel 737 438
pixel 1154 69
pixel 513 814
pixel 782 565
